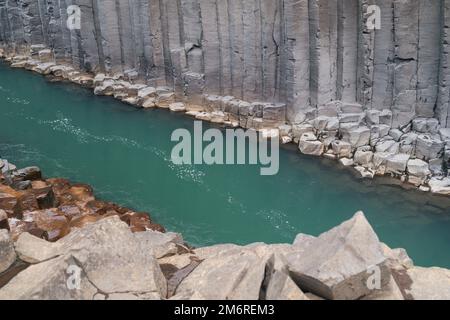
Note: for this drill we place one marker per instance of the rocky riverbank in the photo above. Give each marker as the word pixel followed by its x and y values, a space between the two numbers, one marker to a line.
pixel 366 140
pixel 58 242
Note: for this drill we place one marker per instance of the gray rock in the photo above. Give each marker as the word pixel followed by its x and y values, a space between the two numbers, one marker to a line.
pixel 397 163
pixel 7 253
pixel 278 283
pixel 357 137
pixel 159 244
pixel 110 258
pixel 363 158
pixel 418 168
pixel 341 148
pixel 228 275
pixel 440 186
pixel 425 125
pixel 309 145
pixel 428 283
pixel 396 134
pixel 35 250
pixel 428 147
pixel 336 264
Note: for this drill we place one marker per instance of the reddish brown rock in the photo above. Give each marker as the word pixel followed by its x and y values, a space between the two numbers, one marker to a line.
pixel 3 220
pixel 45 197
pixel 140 222
pixel 70 211
pixel 9 201
pixel 28 202
pixel 82 192
pixel 17 227
pixel 53 222
pixel 82 221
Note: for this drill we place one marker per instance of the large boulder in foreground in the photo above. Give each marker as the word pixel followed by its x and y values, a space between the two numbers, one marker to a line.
pixel 340 263
pixel 428 284
pixel 107 257
pixel 7 253
pixel 230 275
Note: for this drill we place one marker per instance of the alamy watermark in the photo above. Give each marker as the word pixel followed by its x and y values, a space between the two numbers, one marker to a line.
pixel 73 17
pixel 227 147
pixel 74 277
pixel 373 14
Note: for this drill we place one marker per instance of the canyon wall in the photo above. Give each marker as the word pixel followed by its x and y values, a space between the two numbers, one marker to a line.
pixel 304 53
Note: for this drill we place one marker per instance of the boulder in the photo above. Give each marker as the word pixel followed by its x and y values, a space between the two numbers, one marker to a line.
pixel 309 145
pixel 338 263
pixel 346 162
pixel 341 149
pixel 373 117
pixel 429 147
pixel 277 282
pixel 428 283
pixel 29 173
pixel 387 146
pixel 397 163
pixel 229 275
pixel 7 253
pixel 45 55
pixel 396 134
pixel 159 244
pixel 34 250
pixel 440 186
pixel 356 136
pixel 365 173
pixel 299 129
pixel 177 107
pixel 146 92
pixel 418 171
pixel 425 125
pixel 363 158
pixel 110 260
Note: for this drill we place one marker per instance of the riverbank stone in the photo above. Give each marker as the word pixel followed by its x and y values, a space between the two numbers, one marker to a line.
pixel 337 264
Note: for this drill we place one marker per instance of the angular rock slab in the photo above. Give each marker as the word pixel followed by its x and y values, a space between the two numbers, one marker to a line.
pixel 232 275
pixel 338 264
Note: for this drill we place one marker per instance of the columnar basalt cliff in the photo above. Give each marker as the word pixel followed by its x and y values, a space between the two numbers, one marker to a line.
pixel 378 100
pixel 300 52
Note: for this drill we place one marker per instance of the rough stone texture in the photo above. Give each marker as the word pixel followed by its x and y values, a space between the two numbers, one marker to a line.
pixel 429 283
pixel 110 258
pixel 228 275
pixel 321 269
pixel 7 253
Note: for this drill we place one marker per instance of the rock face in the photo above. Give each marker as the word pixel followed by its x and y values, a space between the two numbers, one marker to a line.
pixel 302 53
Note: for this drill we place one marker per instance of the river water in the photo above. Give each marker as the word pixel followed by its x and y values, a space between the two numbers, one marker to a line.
pixel 124 153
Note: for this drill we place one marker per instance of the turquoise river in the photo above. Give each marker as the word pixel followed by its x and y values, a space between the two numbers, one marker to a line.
pixel 124 153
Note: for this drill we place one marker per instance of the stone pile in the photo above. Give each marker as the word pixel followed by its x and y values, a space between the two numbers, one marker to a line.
pixel 110 262
pixel 50 208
